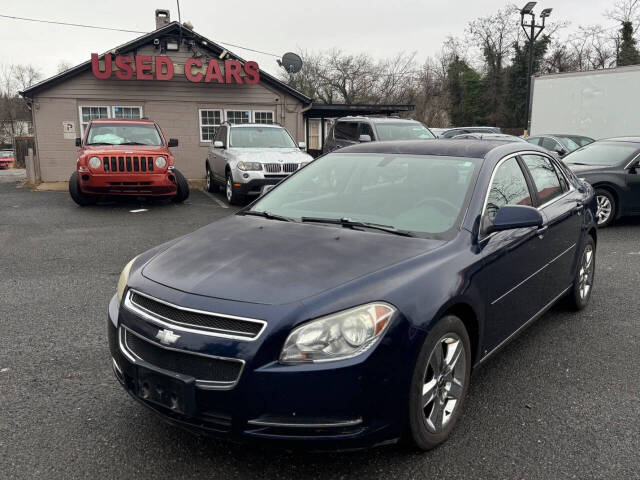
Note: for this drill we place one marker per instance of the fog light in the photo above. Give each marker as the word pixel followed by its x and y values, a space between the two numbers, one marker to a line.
pixel 245 175
pixel 85 178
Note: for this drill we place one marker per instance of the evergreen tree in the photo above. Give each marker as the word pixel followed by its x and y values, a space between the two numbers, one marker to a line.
pixel 465 94
pixel 628 53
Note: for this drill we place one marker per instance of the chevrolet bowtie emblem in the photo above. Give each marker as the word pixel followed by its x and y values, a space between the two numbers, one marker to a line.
pixel 167 337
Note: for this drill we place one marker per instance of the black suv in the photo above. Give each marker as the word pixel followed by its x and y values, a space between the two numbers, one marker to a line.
pixel 351 130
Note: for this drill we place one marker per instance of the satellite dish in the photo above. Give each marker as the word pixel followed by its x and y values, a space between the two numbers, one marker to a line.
pixel 291 62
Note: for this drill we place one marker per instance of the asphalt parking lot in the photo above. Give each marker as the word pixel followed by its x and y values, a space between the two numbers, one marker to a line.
pixel 562 401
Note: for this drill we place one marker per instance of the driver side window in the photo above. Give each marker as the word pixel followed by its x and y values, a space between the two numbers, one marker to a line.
pixel 508 187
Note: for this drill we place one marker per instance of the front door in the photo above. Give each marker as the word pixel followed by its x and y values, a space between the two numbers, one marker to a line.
pixel 512 258
pixel 633 184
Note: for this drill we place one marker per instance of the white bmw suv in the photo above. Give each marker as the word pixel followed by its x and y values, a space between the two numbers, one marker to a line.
pixel 244 158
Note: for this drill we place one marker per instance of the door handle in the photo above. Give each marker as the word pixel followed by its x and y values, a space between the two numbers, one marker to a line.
pixel 579 208
pixel 541 231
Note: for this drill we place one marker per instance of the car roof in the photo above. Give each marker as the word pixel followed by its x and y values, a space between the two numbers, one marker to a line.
pixel 443 147
pixel 359 118
pixel 242 125
pixel 123 120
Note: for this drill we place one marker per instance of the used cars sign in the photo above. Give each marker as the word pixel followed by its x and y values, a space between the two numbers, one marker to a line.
pixel 141 67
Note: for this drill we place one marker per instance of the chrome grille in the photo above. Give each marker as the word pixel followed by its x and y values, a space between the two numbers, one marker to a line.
pixel 205 322
pixel 206 369
pixel 289 167
pixel 127 164
pixel 272 167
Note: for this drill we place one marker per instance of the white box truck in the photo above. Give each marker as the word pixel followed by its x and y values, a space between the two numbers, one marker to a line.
pixel 597 104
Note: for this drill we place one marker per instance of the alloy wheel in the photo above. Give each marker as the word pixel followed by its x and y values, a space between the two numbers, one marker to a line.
pixel 229 189
pixel 585 274
pixel 444 381
pixel 604 209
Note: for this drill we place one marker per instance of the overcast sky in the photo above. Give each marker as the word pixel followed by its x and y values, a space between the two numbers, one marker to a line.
pixel 380 28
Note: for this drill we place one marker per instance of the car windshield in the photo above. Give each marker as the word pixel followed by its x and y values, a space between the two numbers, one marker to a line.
pixel 123 134
pixel 423 194
pixel 403 131
pixel 603 153
pixel 261 137
pixel 573 142
pixel 6 154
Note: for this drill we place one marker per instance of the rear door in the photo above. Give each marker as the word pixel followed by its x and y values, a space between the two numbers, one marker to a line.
pixel 562 210
pixel 345 133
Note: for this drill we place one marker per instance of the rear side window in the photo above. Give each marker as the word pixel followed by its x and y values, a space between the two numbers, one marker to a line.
pixel 508 187
pixel 365 129
pixel 545 177
pixel 346 131
pixel 549 143
pixel 533 140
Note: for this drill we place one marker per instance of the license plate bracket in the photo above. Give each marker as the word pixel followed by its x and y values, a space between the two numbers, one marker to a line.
pixel 175 392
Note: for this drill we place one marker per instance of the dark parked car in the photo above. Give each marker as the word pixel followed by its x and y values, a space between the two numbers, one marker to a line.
pixel 348 305
pixel 349 131
pixel 560 144
pixel 612 166
pixel 490 136
pixel 454 132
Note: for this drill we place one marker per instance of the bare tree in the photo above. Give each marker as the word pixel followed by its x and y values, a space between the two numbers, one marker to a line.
pixel 63 66
pixel 625 11
pixel 14 114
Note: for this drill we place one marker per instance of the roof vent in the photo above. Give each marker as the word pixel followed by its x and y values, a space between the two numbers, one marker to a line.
pixel 162 18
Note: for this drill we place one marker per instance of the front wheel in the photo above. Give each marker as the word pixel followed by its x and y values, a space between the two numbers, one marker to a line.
pixel 183 188
pixel 583 280
pixel 439 384
pixel 77 195
pixel 210 182
pixel 605 208
pixel 233 197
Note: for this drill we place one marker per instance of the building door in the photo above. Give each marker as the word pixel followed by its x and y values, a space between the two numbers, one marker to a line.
pixel 314 136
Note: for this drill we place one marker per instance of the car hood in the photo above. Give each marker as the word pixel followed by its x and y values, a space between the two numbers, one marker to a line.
pixel 581 169
pixel 270 155
pixel 109 149
pixel 251 259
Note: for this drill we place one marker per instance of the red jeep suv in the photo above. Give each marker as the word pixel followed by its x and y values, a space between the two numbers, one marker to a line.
pixel 125 157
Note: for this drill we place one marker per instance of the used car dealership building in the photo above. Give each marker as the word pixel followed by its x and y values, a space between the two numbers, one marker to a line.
pixel 185 82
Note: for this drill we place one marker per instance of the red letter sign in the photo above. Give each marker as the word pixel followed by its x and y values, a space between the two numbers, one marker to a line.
pixel 213 72
pixel 125 71
pixel 252 73
pixel 232 70
pixel 95 66
pixel 192 77
pixel 166 61
pixel 143 67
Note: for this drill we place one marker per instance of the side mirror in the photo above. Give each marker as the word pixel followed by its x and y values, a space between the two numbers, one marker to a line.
pixel 302 145
pixel 510 217
pixel 364 138
pixel 560 151
pixel 218 144
pixel 173 142
pixel 78 142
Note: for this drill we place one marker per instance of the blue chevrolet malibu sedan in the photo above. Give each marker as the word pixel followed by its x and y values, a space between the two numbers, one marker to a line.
pixel 348 306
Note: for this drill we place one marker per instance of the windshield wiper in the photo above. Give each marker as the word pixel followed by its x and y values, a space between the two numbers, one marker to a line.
pixel 578 163
pixel 348 223
pixel 133 143
pixel 102 143
pixel 270 216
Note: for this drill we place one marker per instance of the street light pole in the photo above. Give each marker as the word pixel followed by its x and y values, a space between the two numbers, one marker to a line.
pixel 532 35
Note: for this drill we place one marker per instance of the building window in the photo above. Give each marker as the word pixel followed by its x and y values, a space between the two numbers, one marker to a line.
pixel 90 113
pixel 315 135
pixel 238 116
pixel 262 116
pixel 127 112
pixel 210 120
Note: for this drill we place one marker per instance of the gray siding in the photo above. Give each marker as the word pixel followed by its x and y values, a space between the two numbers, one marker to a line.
pixel 174 104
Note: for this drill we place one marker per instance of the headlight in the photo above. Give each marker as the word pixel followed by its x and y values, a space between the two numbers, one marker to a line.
pixel 337 336
pixel 94 162
pixel 245 166
pixel 124 278
pixel 161 162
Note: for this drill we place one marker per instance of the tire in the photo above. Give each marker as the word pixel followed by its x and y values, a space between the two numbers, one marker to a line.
pixel 435 380
pixel 77 195
pixel 580 293
pixel 210 182
pixel 233 197
pixel 606 208
pixel 183 188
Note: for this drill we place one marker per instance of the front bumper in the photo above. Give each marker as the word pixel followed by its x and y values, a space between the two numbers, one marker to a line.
pixel 355 403
pixel 139 184
pixel 4 164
